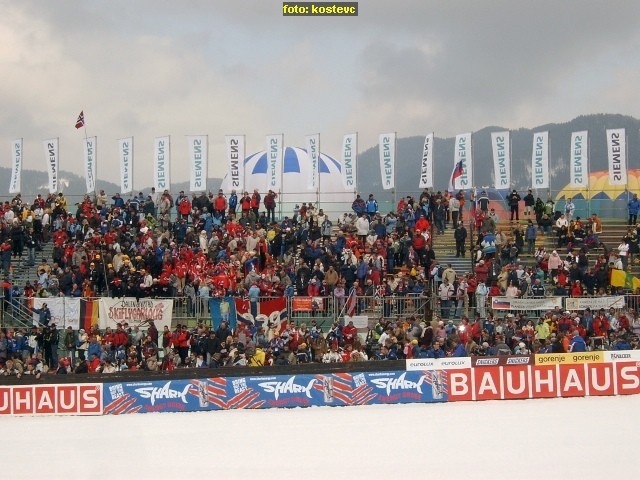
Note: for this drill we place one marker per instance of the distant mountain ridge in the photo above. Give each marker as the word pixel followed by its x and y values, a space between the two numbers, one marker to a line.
pixel 409 155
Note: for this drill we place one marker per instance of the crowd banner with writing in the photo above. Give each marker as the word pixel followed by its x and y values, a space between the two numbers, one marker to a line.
pixel 51 154
pixel 569 358
pixel 134 312
pixel 540 160
pixel 162 163
pixel 596 373
pixel 501 147
pixel 426 166
pixel 579 159
pixel 235 147
pixel 462 153
pixel 387 160
pixel 125 152
pixel 90 152
pixel 50 399
pixel 313 152
pixel 198 157
pixel 349 160
pixel 594 303
pixel 275 154
pixel 617 155
pixel 16 166
pixel 510 303
pixel 565 376
pixel 425 364
pixel 164 396
pixel 65 311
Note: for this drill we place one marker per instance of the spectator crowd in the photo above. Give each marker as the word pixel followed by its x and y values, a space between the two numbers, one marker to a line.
pixel 209 245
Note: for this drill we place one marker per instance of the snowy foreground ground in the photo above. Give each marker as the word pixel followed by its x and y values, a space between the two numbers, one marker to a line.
pixel 579 438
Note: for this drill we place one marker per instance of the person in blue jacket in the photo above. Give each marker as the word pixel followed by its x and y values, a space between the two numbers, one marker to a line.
pixel 436 351
pixel 459 350
pixel 577 343
pixel 634 207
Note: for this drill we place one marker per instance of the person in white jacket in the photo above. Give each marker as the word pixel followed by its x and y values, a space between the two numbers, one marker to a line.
pixel 362 227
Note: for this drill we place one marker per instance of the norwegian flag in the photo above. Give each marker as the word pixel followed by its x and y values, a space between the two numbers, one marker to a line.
pixel 80 120
pixel 458 171
pixel 270 312
pixel 352 300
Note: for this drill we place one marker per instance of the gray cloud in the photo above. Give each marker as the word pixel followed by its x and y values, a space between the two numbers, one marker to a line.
pixel 150 68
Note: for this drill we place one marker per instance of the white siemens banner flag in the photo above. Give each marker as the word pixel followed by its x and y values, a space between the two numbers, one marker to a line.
pixel 463 154
pixel 275 151
pixel 313 152
pixel 617 152
pixel 16 166
pixel 125 152
pixel 198 146
pixel 51 155
pixel 162 163
pixel 90 159
pixel 387 160
pixel 235 160
pixel 349 158
pixel 500 145
pixel 426 167
pixel 579 160
pixel 540 160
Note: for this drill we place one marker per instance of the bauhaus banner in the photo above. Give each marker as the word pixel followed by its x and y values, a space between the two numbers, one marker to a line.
pixel 426 167
pixel 198 157
pixel 579 160
pixel 162 163
pixel 125 152
pixel 16 165
pixel 349 157
pixel 90 152
pixel 313 152
pixel 500 146
pixel 51 156
pixel 234 145
pixel 275 152
pixel 617 154
pixel 462 153
pixel 540 160
pixel 387 160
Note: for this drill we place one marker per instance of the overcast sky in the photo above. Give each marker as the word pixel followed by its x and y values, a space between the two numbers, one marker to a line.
pixel 153 68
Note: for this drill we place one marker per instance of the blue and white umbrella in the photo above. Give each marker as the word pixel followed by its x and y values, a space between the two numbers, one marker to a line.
pixel 295 179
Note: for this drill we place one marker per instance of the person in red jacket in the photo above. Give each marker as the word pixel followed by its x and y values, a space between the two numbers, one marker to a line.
pixel 220 205
pixel 120 337
pixel 94 363
pixel 184 208
pixel 482 270
pixel 313 290
pixel 419 243
pixel 184 338
pixel 255 202
pixel 245 203
pixel 349 333
pixel 601 325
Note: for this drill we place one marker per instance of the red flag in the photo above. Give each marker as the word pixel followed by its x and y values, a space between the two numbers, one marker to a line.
pixel 80 120
pixel 351 304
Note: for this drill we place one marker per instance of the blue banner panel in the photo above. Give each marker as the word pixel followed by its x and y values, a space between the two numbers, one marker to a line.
pixel 404 387
pixel 284 391
pixel 165 396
